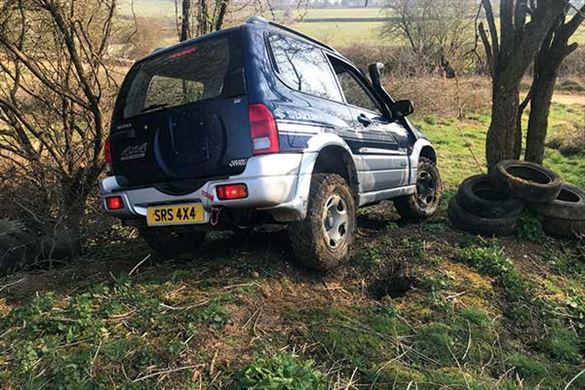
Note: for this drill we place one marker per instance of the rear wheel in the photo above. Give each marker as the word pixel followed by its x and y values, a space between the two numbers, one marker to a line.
pixel 169 242
pixel 427 196
pixel 324 239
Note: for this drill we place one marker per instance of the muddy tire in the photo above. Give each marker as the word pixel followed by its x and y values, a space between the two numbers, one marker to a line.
pixel 527 181
pixel 169 242
pixel 570 204
pixel 324 239
pixel 425 201
pixel 464 220
pixel 564 228
pixel 479 196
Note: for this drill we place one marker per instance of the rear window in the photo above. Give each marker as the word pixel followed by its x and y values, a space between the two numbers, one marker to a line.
pixel 206 70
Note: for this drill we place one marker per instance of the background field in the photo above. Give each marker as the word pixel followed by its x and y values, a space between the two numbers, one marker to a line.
pixel 337 33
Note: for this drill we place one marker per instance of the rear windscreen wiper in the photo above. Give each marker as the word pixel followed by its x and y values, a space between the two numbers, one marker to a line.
pixel 153 107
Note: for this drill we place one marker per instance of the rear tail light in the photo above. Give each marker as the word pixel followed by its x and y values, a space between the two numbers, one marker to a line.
pixel 263 130
pixel 232 191
pixel 108 157
pixel 114 203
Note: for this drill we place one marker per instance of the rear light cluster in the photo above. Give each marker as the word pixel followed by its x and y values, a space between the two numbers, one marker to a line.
pixel 108 157
pixel 232 191
pixel 114 203
pixel 263 130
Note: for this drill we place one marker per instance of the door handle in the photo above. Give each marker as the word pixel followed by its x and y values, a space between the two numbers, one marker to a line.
pixel 364 120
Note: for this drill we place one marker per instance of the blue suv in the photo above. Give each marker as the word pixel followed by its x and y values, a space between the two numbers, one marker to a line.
pixel 260 124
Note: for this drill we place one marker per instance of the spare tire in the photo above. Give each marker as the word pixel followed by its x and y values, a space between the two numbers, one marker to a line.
pixel 479 196
pixel 570 204
pixel 566 228
pixel 527 181
pixel 466 221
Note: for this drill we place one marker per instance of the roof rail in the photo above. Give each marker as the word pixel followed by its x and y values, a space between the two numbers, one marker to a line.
pixel 260 20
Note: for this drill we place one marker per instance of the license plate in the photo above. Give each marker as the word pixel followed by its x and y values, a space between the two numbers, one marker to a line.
pixel 182 214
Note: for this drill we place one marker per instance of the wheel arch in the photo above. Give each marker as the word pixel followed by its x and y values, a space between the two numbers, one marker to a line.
pixel 335 159
pixel 422 148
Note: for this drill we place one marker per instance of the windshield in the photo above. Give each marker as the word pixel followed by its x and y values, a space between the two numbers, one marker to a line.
pixel 204 70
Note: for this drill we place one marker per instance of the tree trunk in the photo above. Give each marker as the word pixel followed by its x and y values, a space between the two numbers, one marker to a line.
pixel 539 111
pixel 186 21
pixel 502 139
pixel 553 52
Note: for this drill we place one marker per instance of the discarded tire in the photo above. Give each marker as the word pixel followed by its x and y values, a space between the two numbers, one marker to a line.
pixel 569 204
pixel 17 247
pixel 564 228
pixel 527 181
pixel 479 196
pixel 466 221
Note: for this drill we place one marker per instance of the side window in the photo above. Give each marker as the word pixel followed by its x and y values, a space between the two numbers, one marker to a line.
pixel 355 92
pixel 303 67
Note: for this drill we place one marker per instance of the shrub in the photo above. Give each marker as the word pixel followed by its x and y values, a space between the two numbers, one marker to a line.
pixel 571 85
pixel 574 64
pixel 282 371
pixel 569 140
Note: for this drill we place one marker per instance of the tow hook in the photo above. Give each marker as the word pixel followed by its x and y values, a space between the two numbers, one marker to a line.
pixel 214 219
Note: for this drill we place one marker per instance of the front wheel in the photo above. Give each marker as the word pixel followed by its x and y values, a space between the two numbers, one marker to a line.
pixel 324 239
pixel 169 242
pixel 425 201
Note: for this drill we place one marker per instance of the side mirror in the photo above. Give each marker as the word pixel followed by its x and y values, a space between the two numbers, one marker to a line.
pixel 402 108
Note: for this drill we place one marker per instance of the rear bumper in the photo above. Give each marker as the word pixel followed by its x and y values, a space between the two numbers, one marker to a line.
pixel 272 181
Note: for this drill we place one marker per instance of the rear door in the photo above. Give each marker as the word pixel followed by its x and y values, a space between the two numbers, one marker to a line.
pixel 183 114
pixel 379 144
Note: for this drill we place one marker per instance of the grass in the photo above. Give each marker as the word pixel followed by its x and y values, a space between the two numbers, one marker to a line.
pixel 461 144
pixel 478 313
pixel 342 34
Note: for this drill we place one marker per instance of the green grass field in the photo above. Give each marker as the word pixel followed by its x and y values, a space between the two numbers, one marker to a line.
pixel 461 144
pixel 345 34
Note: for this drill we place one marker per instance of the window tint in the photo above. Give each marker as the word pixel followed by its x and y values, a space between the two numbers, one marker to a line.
pixel 355 93
pixel 203 71
pixel 303 67
pixel 169 91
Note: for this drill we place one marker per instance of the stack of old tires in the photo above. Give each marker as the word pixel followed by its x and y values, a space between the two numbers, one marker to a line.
pixel 491 205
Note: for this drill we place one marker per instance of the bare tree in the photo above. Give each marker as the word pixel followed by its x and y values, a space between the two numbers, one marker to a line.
pixel 185 20
pixel 552 53
pixel 55 89
pixel 437 31
pixel 202 17
pixel 510 49
pixel 205 16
